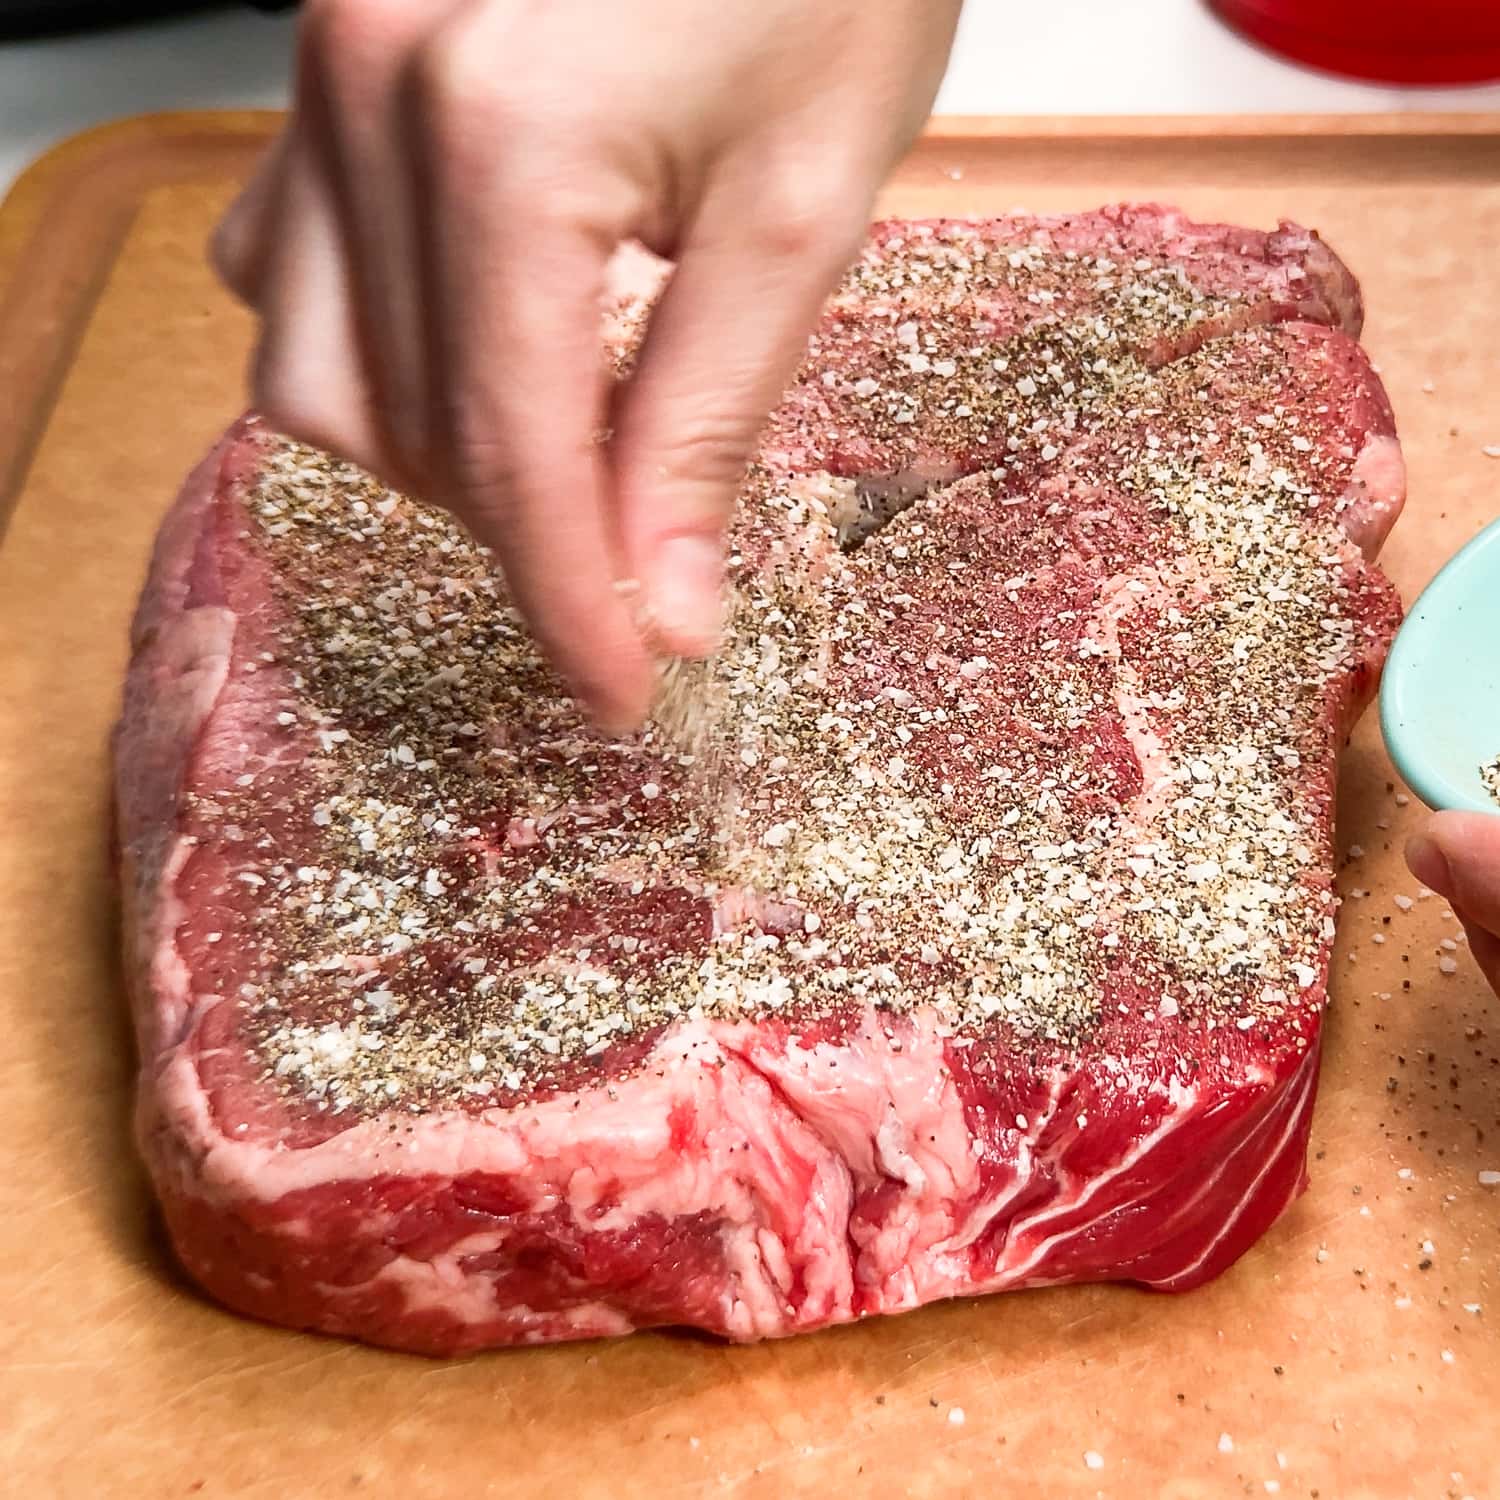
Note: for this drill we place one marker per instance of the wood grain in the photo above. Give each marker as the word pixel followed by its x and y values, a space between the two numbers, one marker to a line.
pixel 1321 1355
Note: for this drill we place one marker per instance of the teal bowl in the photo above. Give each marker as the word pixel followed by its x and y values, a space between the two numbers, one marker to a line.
pixel 1440 695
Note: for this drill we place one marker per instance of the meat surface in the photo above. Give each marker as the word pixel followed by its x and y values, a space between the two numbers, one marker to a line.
pixel 964 925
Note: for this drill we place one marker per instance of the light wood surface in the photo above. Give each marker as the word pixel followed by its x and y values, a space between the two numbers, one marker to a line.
pixel 1341 1358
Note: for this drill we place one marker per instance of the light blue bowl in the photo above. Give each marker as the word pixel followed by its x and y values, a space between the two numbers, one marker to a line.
pixel 1440 696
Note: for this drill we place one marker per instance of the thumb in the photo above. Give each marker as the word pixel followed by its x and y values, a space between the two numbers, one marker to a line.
pixel 724 342
pixel 1458 855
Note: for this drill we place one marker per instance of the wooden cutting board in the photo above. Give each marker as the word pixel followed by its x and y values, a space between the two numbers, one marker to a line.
pixel 1354 1353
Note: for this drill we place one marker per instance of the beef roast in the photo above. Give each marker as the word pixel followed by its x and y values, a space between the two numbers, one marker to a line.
pixel 964 925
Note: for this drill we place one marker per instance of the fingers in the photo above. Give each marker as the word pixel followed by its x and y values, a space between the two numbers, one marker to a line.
pixel 353 61
pixel 1458 856
pixel 307 380
pixel 520 415
pixel 725 340
pixel 518 378
pixel 427 247
pixel 242 241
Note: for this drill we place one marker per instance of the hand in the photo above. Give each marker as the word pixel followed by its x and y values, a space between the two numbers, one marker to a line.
pixel 426 248
pixel 1458 856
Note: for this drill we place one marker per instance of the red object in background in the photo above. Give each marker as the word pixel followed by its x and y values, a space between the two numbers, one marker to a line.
pixel 1394 41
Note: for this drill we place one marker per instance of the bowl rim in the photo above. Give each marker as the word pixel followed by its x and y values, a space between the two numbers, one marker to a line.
pixel 1404 744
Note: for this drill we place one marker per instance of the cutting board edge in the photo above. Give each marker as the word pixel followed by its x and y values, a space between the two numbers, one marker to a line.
pixel 243 1402
pixel 65 217
pixel 61 226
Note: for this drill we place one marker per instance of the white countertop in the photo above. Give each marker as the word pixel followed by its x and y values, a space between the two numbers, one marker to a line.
pixel 1058 57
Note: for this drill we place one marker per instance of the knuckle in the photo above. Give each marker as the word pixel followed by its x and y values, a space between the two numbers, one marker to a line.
pixel 710 449
pixel 456 89
pixel 802 215
pixel 512 135
pixel 326 28
pixel 335 30
pixel 481 466
pixel 513 127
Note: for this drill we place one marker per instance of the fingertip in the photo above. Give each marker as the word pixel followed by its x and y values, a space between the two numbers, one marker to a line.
pixel 1426 860
pixel 616 705
pixel 684 594
pixel 1464 837
pixel 599 652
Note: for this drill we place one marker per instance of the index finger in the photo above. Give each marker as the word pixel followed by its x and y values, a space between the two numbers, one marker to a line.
pixel 519 388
